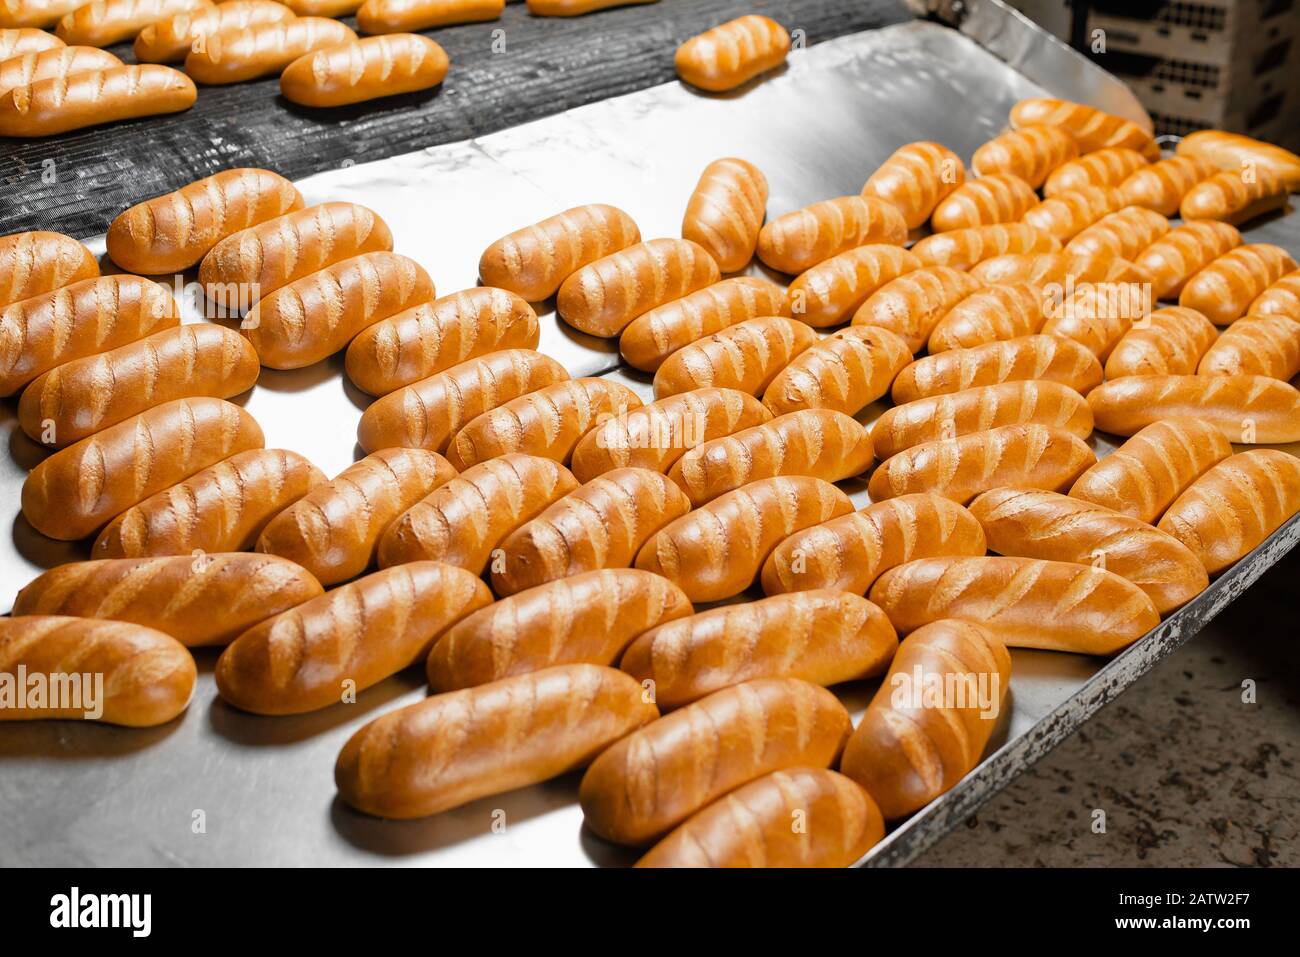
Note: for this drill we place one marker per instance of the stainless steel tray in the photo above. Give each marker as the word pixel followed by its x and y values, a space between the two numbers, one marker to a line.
pixel 74 794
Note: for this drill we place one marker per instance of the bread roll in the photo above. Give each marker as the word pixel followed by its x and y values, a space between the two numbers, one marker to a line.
pixel 1029 152
pixel 1015 360
pixel 993 198
pixel 1104 167
pixel 723 58
pixel 1263 345
pixel 797 241
pixel 912 305
pixel 1170 341
pixel 1091 128
pixel 725 212
pixel 1067 214
pixel 235 56
pixel 831 291
pixel 1224 289
pixel 1232 151
pixel 1282 298
pixel 1247 409
pixel 395 16
pixel 367 69
pixel 37 262
pixel 846 371
pixel 1233 197
pixel 964 248
pixel 915 178
pixel 745 357
pixel 989 315
pixel 1182 253
pixel 1161 186
pixel 1123 234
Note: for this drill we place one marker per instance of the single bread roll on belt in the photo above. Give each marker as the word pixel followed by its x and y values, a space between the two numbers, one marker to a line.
pixel 205 601
pixel 168 40
pixel 994 198
pixel 147 677
pixel 818 442
pixel 450 749
pixel 1183 252
pixel 726 56
pixel 905 752
pixel 1030 523
pixel 846 371
pixel 63 103
pixel 1232 151
pixel 916 178
pixel 34 263
pixel 1038 456
pixel 964 248
pixel 1248 409
pixel 362 632
pixel 77 490
pixel 745 357
pixel 588 618
pixel 1224 289
pixel 1015 360
pixel 434 336
pixel 652 337
pixel 750 827
pixel 800 240
pixel 989 315
pixel 105 22
pixel 1042 269
pixel 368 69
pixel 717 550
pixel 221 509
pixel 725 212
pixel 1091 128
pixel 233 56
pixel 1029 152
pixel 823 637
pixel 1145 474
pixel 334 530
pixel 652 780
pixel 1104 167
pixel 57 62
pixel 464 520
pixel 601 524
pixel 1263 345
pixel 1162 186
pixel 394 16
pixel 657 435
pixel 1026 602
pixel 82 397
pixel 912 305
pixel 1282 298
pixel 833 290
pixel 1123 234
pixel 19 20
pixel 1234 506
pixel 1231 197
pixel 852 551
pixel 1170 342
pixel 1067 214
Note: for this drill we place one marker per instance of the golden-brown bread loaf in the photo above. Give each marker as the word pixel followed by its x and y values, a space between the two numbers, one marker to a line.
pixel 913 745
pixel 819 442
pixel 548 422
pixel 395 16
pixel 654 336
pixel 368 69
pixel 255 262
pixel 601 524
pixel 233 56
pixel 1025 602
pixel 316 316
pixel 752 826
pixel 915 178
pixel 979 409
pixel 1232 151
pixel 107 22
pixel 1091 128
pixel 172 232
pixel 19 20
pixel 1247 409
pixel 428 413
pixel 745 357
pixel 1028 152
pixel 463 520
pixel 1233 197
pixel 220 509
pixel 846 371
pixel 1183 252
pixel 1145 474
pixel 125 674
pixel 852 551
pixel 717 550
pixel 1104 167
pixel 532 262
pixel 1098 315
pixel 80 320
pixel 168 40
pixel 84 396
pixel 657 435
pixel 652 780
pixel 1035 456
pixel 79 489
pixel 449 749
pixel 1015 360
pixel 1067 214
pixel 831 291
pixel 59 61
pixel 1123 234
pixel 328 649
pixel 800 240
pixel 964 248
pixel 995 198
pixel 1170 341
pixel 1030 523
pixel 1234 506
pixel 588 618
pixel 1282 298
pixel 728 55
pixel 603 297
pixel 912 305
pixel 63 103
pixel 1040 269
pixel 992 314
pixel 823 637
pixel 1255 345
pixel 334 530
pixel 1224 289
pixel 198 600
pixel 38 262
pixel 1162 186
pixel 434 336
pixel 725 212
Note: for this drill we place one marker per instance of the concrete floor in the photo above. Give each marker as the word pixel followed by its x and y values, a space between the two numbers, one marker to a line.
pixel 1186 773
